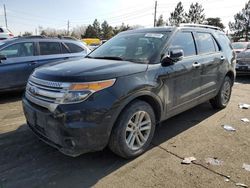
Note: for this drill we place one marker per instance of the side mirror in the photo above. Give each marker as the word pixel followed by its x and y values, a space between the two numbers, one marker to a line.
pixel 174 56
pixel 2 57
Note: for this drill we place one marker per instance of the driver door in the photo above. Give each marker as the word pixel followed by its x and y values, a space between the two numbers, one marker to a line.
pixel 183 77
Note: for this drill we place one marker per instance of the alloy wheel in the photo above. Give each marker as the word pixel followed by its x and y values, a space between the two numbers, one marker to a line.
pixel 138 130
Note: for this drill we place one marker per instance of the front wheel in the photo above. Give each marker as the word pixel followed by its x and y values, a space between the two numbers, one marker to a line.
pixel 133 131
pixel 221 100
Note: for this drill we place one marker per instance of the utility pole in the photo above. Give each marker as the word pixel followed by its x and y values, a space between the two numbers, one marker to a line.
pixel 68 28
pixel 5 16
pixel 155 13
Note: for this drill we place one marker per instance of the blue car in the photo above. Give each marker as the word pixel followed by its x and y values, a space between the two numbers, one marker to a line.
pixel 20 56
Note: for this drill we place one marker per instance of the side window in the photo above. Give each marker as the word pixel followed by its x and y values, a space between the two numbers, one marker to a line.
pixel 74 48
pixel 1 30
pixel 64 49
pixel 18 50
pixel 225 44
pixel 49 48
pixel 206 43
pixel 184 41
pixel 217 48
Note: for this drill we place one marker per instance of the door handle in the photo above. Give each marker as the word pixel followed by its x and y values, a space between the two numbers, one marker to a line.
pixel 196 65
pixel 222 58
pixel 32 62
pixel 66 58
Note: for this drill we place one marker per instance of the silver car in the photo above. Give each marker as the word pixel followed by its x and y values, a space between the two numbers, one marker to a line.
pixel 243 61
pixel 5 33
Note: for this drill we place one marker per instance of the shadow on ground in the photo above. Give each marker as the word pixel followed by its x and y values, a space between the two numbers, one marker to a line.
pixel 244 79
pixel 7 97
pixel 27 161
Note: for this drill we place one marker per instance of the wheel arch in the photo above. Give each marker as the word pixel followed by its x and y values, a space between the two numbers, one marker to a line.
pixel 153 100
pixel 231 75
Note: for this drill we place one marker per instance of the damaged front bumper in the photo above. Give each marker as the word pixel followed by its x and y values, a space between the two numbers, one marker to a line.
pixel 71 129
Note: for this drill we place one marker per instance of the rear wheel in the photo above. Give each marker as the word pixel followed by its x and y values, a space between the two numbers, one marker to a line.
pixel 133 131
pixel 221 100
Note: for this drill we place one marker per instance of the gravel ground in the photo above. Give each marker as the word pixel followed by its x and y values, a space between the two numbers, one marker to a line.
pixel 27 162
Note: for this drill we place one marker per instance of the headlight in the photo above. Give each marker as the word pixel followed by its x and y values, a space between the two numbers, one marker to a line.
pixel 79 92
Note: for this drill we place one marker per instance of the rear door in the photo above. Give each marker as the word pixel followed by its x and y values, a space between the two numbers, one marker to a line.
pixel 15 70
pixel 211 58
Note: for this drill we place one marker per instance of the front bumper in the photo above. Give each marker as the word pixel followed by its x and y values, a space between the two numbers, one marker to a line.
pixel 72 129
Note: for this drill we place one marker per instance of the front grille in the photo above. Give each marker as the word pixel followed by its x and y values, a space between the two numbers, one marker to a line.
pixel 45 93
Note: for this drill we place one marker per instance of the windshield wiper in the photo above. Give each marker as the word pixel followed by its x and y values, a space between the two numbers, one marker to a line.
pixel 106 57
pixel 87 56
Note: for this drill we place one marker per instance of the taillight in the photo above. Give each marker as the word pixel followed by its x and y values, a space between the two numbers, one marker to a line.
pixel 11 35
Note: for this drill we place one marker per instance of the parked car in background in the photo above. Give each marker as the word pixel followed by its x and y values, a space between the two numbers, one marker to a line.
pixel 20 56
pixel 92 43
pixel 118 94
pixel 239 46
pixel 5 33
pixel 243 61
pixel 93 46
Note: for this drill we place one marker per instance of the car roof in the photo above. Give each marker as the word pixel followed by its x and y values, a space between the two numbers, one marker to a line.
pixel 193 27
pixel 37 39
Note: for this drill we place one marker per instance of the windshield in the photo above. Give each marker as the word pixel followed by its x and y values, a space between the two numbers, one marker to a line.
pixel 239 45
pixel 135 47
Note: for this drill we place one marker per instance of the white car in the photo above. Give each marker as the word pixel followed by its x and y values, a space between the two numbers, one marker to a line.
pixel 5 33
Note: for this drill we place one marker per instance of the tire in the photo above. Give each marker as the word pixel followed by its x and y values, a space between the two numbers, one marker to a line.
pixel 221 100
pixel 124 137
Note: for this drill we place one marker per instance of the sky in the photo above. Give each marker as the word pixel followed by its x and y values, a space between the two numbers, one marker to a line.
pixel 28 15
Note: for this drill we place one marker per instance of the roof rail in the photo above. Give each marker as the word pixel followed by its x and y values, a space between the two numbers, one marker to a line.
pixel 34 37
pixel 67 37
pixel 201 26
pixel 46 37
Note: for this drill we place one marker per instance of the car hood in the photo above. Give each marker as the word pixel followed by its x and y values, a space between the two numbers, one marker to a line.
pixel 85 69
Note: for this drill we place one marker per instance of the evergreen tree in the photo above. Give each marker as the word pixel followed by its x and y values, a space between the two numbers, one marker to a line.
pixel 241 26
pixel 178 16
pixel 215 22
pixel 106 30
pixel 90 32
pixel 160 21
pixel 97 29
pixel 195 14
pixel 93 31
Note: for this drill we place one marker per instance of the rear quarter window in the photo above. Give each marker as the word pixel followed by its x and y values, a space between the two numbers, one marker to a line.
pixel 225 43
pixel 74 48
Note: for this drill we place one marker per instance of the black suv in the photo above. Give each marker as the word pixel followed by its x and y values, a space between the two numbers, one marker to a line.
pixel 20 56
pixel 122 90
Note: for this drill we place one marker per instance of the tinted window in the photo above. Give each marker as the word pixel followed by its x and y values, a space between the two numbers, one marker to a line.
pixel 18 50
pixel 184 41
pixel 49 48
pixel 217 48
pixel 1 30
pixel 225 44
pixel 74 48
pixel 64 49
pixel 205 43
